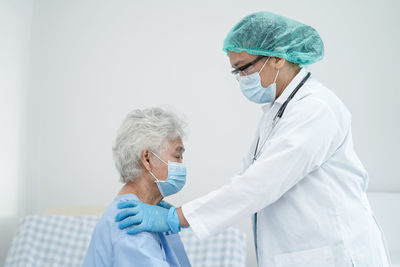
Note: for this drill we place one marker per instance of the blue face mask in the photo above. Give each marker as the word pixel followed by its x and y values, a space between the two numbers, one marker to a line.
pixel 176 178
pixel 253 90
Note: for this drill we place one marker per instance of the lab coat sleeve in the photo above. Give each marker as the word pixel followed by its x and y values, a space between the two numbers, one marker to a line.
pixel 138 250
pixel 306 136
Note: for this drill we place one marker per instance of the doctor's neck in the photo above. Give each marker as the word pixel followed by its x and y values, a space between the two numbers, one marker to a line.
pixel 144 188
pixel 286 74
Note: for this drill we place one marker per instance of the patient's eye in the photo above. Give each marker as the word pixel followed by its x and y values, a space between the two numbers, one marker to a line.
pixel 179 157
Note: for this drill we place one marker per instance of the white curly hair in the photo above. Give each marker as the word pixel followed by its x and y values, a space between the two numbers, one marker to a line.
pixel 150 128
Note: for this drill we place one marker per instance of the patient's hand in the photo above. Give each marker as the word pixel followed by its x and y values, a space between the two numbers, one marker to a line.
pixel 141 217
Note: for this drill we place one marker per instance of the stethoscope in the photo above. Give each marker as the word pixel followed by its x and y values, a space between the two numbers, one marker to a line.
pixel 278 116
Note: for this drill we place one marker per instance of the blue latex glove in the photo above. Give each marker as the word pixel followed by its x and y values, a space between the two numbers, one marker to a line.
pixel 141 217
pixel 164 204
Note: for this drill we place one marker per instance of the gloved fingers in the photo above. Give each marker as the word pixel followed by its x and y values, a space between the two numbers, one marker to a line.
pixel 128 204
pixel 164 204
pixel 136 229
pixel 132 220
pixel 126 213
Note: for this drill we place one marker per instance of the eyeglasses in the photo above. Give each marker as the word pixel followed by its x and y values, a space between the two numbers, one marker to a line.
pixel 246 66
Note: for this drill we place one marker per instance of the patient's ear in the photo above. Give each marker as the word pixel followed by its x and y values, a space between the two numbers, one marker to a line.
pixel 145 159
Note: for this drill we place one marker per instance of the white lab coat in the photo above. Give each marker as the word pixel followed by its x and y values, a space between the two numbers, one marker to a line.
pixel 307 189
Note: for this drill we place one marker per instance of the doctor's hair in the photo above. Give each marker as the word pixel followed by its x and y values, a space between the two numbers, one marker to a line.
pixel 150 128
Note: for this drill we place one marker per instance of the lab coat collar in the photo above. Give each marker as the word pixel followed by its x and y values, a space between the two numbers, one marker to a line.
pixel 267 106
pixel 288 90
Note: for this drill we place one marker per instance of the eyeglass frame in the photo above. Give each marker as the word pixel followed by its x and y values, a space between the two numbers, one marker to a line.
pixel 242 68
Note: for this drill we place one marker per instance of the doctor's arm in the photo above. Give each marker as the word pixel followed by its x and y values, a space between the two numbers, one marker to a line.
pixel 182 220
pixel 307 135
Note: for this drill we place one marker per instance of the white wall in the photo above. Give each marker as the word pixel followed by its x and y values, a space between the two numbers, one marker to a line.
pixel 94 61
pixel 15 23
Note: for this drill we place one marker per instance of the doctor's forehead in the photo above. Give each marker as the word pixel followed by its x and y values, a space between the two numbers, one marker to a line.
pixel 240 59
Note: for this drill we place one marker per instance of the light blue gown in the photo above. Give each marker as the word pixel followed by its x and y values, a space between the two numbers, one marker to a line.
pixel 111 246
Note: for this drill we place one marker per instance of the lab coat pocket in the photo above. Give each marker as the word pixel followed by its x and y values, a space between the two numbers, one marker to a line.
pixel 319 257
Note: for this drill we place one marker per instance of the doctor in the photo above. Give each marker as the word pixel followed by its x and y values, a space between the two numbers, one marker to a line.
pixel 302 181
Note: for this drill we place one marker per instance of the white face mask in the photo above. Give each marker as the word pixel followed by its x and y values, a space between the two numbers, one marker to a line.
pixel 176 178
pixel 253 90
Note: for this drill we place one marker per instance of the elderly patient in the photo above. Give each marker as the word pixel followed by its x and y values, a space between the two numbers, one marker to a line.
pixel 148 155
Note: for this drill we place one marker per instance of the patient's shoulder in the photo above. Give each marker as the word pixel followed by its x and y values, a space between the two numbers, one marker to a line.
pixel 107 221
pixel 119 245
pixel 139 244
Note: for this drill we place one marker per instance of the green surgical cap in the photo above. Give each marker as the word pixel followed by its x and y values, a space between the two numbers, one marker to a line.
pixel 268 34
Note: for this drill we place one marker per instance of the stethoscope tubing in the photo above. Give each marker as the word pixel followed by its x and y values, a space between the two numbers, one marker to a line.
pixel 279 115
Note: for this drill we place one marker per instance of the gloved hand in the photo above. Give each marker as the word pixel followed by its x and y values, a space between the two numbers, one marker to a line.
pixel 141 217
pixel 164 204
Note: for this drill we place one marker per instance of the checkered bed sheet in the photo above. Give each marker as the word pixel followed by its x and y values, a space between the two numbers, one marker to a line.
pixel 227 248
pixel 63 240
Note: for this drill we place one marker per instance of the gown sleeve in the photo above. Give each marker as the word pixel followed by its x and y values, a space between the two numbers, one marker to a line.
pixel 138 250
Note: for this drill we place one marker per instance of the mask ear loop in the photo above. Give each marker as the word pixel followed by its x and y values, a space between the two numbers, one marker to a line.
pixel 276 76
pixel 265 63
pixel 158 157
pixel 152 174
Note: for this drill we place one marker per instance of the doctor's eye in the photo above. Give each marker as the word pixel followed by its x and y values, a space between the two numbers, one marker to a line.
pixel 249 70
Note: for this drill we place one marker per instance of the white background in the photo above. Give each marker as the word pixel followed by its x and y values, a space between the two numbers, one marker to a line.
pixel 71 70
